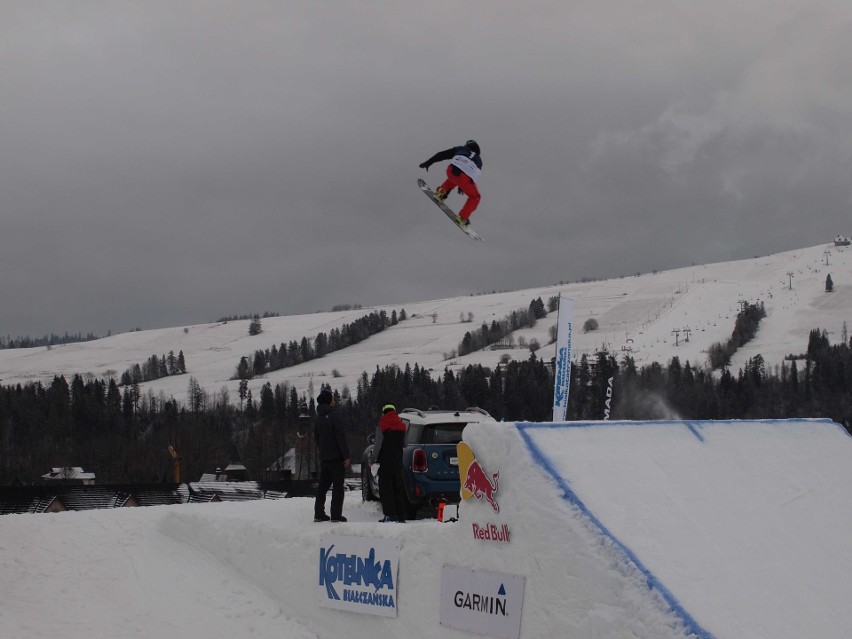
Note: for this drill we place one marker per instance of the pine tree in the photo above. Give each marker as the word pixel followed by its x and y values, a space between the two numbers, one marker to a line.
pixel 255 327
pixel 243 370
pixel 259 364
pixel 473 385
pixel 112 409
pixel 817 343
pixel 196 396
pixel 450 391
pixel 267 401
pixel 281 402
pixel 243 392
pixel 293 408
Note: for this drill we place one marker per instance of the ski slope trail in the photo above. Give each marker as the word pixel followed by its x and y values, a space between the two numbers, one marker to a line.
pixel 651 317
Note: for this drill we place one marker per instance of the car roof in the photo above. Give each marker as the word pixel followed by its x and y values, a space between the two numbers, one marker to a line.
pixel 467 415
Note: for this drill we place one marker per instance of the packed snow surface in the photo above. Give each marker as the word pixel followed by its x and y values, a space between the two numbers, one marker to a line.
pixel 735 530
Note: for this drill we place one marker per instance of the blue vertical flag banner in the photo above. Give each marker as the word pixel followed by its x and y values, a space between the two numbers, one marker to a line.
pixel 562 368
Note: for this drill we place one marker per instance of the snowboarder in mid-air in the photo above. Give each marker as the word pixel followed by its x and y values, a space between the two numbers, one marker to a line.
pixel 462 173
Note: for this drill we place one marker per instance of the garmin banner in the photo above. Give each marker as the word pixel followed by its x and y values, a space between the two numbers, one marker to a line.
pixel 562 367
pixel 487 603
pixel 358 574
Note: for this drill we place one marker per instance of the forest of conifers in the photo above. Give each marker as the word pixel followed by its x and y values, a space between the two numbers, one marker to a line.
pixel 123 436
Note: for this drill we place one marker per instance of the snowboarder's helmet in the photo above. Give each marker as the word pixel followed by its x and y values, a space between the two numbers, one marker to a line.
pixel 388 408
pixel 472 145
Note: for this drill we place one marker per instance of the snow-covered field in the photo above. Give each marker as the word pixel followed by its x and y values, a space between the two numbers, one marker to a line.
pixel 734 530
pixel 636 314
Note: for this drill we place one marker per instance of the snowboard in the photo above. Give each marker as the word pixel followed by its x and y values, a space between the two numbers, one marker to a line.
pixel 448 211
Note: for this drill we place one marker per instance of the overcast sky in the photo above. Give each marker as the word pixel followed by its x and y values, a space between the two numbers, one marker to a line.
pixel 168 163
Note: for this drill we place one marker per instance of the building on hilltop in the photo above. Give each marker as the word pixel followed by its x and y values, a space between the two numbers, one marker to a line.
pixel 69 475
pixel 235 471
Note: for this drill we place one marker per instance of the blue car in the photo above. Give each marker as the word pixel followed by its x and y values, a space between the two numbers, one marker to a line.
pixel 429 461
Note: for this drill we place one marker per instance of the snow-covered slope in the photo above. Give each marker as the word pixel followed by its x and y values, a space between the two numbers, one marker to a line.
pixel 635 314
pixel 726 530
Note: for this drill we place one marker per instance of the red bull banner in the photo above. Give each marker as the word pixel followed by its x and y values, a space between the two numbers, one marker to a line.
pixel 477 484
pixel 562 367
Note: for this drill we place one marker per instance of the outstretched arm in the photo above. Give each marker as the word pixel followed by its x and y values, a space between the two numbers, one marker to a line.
pixel 438 157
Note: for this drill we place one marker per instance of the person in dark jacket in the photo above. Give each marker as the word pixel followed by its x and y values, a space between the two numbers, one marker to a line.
pixel 330 436
pixel 463 173
pixel 389 442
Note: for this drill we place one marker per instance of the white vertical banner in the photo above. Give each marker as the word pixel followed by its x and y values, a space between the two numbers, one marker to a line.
pixel 562 369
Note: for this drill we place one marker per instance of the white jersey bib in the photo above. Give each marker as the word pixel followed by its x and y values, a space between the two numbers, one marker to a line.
pixel 468 166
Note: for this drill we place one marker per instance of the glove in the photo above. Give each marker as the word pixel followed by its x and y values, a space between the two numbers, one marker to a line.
pixel 425 165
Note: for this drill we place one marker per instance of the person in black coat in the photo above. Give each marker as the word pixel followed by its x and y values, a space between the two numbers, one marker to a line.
pixel 389 442
pixel 330 436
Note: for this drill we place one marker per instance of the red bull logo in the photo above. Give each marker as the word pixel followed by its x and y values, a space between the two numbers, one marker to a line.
pixel 490 532
pixel 476 482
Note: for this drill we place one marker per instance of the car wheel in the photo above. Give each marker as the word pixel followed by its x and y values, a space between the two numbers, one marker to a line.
pixel 366 488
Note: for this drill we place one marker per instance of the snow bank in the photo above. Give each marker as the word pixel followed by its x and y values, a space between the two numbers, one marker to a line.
pixel 652 530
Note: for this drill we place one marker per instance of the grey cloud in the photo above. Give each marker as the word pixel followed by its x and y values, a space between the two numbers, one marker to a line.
pixel 166 163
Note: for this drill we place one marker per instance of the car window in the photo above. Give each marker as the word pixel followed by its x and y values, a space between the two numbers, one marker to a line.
pixel 443 433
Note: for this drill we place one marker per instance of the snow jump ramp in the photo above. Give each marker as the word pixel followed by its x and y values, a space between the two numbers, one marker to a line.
pixel 615 530
pixel 726 529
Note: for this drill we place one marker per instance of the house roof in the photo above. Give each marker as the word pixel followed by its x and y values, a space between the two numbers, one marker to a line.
pixel 240 490
pixel 22 499
pixel 34 499
pixel 287 461
pixel 38 498
pixel 69 472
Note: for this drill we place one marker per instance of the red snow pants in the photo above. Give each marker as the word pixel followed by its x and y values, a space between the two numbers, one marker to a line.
pixel 467 186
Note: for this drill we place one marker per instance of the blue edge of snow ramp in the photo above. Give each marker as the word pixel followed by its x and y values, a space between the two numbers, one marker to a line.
pixel 691 626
